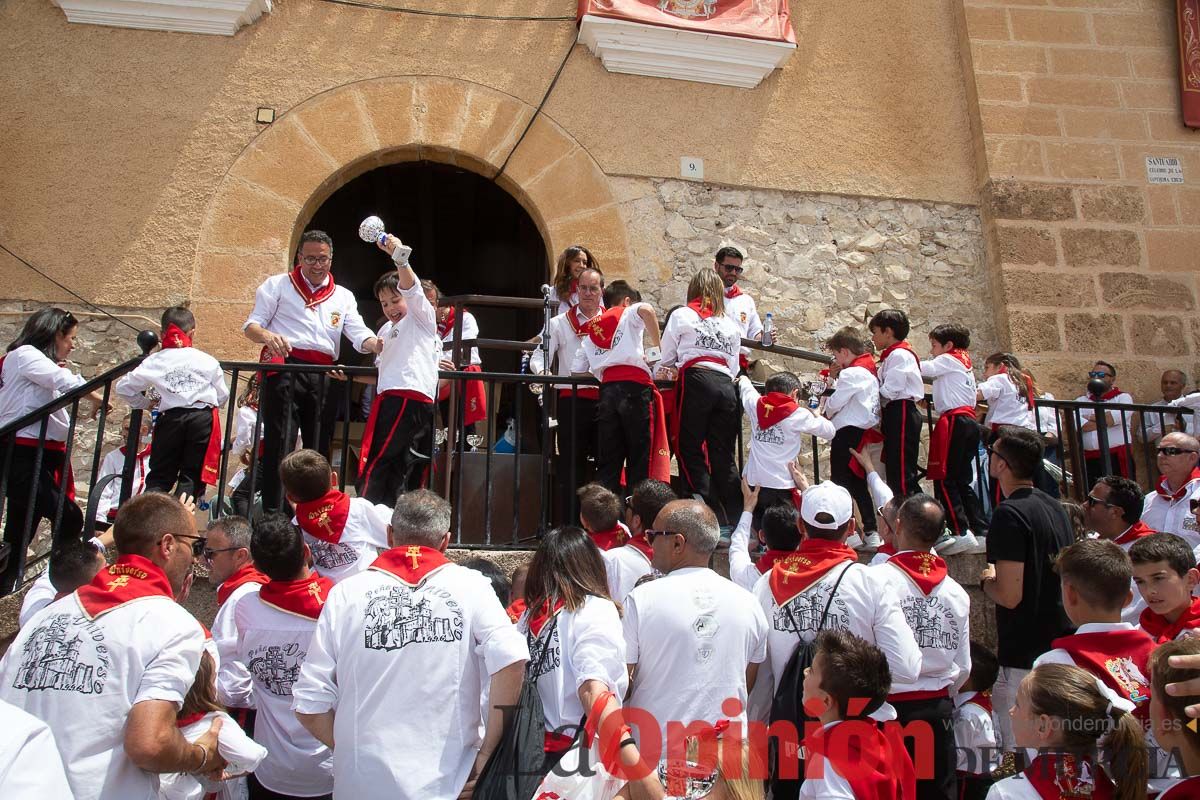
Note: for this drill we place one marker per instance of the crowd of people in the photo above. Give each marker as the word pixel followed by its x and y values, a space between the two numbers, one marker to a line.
pixel 349 655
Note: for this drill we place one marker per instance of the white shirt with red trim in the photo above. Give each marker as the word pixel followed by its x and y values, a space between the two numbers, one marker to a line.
pixel 773 448
pixel 279 308
pixel 30 765
pixel 586 644
pixel 744 313
pixel 403 667
pixel 855 400
pixel 274 643
pixel 114 464
pixel 242 753
pixel 470 330
pixel 828 783
pixel 82 677
pixel 940 623
pixel 900 377
pixel 234 687
pixel 626 350
pixel 626 565
pixel 1005 404
pixel 1118 434
pixel 1174 516
pixel 28 381
pixel 183 377
pixel 687 337
pixel 411 348
pixel 974 736
pixel 691 634
pixel 953 383
pixel 564 344
pixel 362 540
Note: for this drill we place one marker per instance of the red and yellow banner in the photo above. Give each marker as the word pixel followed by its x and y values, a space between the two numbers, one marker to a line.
pixel 752 19
pixel 1189 60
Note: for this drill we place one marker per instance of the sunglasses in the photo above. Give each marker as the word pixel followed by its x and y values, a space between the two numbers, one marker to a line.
pixel 1092 500
pixel 652 534
pixel 197 546
pixel 1098 374
pixel 210 552
pixel 1173 451
pixel 732 268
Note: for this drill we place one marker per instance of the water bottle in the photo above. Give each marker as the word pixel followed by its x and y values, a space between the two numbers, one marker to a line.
pixel 768 332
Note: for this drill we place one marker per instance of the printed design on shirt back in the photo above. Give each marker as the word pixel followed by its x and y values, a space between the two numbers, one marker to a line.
pixel 931 622
pixel 806 609
pixel 553 659
pixel 704 625
pixel 183 381
pixel 710 337
pixel 66 653
pixel 276 667
pixel 771 435
pixel 330 555
pixel 398 616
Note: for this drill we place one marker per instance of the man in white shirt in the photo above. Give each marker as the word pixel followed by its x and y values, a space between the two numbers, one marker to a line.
pixel 30 765
pixel 107 667
pixel 1155 426
pixel 739 306
pixel 1168 508
pixel 395 669
pixel 1116 424
pixel 230 569
pixel 693 638
pixel 630 564
pixel 576 405
pixel 299 318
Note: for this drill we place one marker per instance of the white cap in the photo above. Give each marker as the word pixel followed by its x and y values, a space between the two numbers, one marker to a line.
pixel 829 498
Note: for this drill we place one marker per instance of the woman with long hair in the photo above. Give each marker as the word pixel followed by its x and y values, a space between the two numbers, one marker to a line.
pixel 572 261
pixel 33 373
pixel 700 347
pixel 1010 395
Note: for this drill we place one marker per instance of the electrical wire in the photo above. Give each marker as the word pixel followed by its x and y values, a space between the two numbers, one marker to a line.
pixel 537 112
pixel 68 290
pixel 451 14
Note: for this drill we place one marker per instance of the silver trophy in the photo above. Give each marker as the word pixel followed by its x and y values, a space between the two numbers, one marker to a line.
pixel 372 230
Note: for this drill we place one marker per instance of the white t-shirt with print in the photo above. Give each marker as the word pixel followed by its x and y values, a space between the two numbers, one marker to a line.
pixel 361 542
pixel 626 350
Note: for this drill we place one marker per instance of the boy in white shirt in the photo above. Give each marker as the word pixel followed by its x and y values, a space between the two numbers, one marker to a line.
pixel 186 453
pixel 344 533
pixel 900 389
pixel 853 408
pixel 778 528
pixel 114 464
pixel 974 733
pixel 630 564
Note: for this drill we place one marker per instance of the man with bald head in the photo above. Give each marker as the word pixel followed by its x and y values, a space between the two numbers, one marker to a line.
pixel 108 666
pixel 693 639
pixel 1172 384
pixel 1168 507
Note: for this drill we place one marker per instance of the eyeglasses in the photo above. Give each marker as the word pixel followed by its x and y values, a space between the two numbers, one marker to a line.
pixel 732 268
pixel 1092 500
pixel 994 452
pixel 313 261
pixel 651 534
pixel 1099 373
pixel 209 552
pixel 197 546
pixel 1173 451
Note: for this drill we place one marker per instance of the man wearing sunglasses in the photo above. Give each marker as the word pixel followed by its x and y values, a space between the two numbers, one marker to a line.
pixel 1113 509
pixel 1168 507
pixel 1104 375
pixel 739 306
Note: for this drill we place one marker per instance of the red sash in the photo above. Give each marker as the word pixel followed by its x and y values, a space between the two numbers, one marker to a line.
pixel 445 326
pixel 1186 789
pixel 57 447
pixel 926 570
pixel 211 470
pixel 296 353
pixel 607 540
pixel 981 699
pixel 701 306
pixel 1118 658
pixel 901 345
pixel 1058 776
pixel 1135 532
pixel 660 454
pixel 870 436
pixel 369 428
pixel 773 408
pixel 311 297
pixel 411 564
pixel 130 578
pixel 874 763
pixel 939 441
pixel 544 614
pixel 304 597
pixel 246 574
pixel 732 292
pixel 1157 626
pixel 475 407
pixel 798 570
pixel 174 337
pixel 325 518
pixel 1165 491
pixel 769 558
pixel 516 609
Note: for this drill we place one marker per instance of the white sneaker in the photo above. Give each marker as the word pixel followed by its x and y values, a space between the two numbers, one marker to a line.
pixel 980 544
pixel 854 541
pixel 961 544
pixel 872 542
pixel 942 543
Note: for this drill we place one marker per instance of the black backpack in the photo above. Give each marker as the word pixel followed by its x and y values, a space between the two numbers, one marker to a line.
pixel 514 769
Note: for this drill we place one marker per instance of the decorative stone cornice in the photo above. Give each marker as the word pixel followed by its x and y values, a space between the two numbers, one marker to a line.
pixel 662 52
pixel 221 17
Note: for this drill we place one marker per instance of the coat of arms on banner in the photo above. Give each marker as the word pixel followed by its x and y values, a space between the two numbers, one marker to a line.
pixel 688 8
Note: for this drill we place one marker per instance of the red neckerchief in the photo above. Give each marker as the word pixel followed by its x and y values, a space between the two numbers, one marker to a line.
pixel 188 719
pixel 901 345
pixel 1157 626
pixel 732 292
pixel 1186 789
pixel 769 558
pixel 926 570
pixel 867 362
pixel 981 699
pixel 410 563
pixel 516 609
pixel 1136 531
pixel 1118 658
pixel 304 597
pixel 1056 776
pixel 174 337
pixel 538 620
pixel 311 297
pixel 603 327
pixel 325 518
pixel 446 325
pixel 774 407
pixel 961 356
pixel 887 548
pixel 607 540
pixel 580 329
pixel 875 764
pixel 1163 489
pixel 145 451
pixel 1029 393
pixel 797 571
pixel 701 306
pixel 244 575
pixel 1110 394
pixel 642 545
pixel 130 578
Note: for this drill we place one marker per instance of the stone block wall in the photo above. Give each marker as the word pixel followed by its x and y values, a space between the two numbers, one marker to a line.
pixel 1088 258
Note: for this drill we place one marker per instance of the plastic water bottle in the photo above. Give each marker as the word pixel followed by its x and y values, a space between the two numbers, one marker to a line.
pixel 768 332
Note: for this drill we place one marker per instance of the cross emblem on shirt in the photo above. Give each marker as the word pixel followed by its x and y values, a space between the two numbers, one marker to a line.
pixel 415 554
pixel 321 518
pixel 314 589
pixel 118 582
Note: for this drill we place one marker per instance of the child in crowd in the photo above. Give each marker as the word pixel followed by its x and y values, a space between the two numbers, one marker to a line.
pixel 1061 712
pixel 900 389
pixel 778 529
pixel 974 734
pixel 1175 731
pixel 1164 570
pixel 954 442
pixel 491 570
pixel 516 593
pixel 344 533
pixel 191 387
pixel 853 408
pixel 600 515
pixel 886 506
pixel 243 443
pixel 73 563
pixel 1007 391
pixel 114 464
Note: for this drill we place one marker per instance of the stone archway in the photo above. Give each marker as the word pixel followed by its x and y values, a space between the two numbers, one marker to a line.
pixel 284 174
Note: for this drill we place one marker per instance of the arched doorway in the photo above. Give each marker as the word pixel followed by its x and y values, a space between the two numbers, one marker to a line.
pixel 468 235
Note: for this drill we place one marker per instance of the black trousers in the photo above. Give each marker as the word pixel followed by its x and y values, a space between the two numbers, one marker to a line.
pixel 844 441
pixel 768 497
pixel 260 792
pixel 901 428
pixel 400 423
pixel 937 714
pixel 291 401
pixel 710 417
pixel 623 428
pixel 177 451
pixel 973 787
pixel 577 443
pixel 1120 462
pixel 46 494
pixel 963 508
